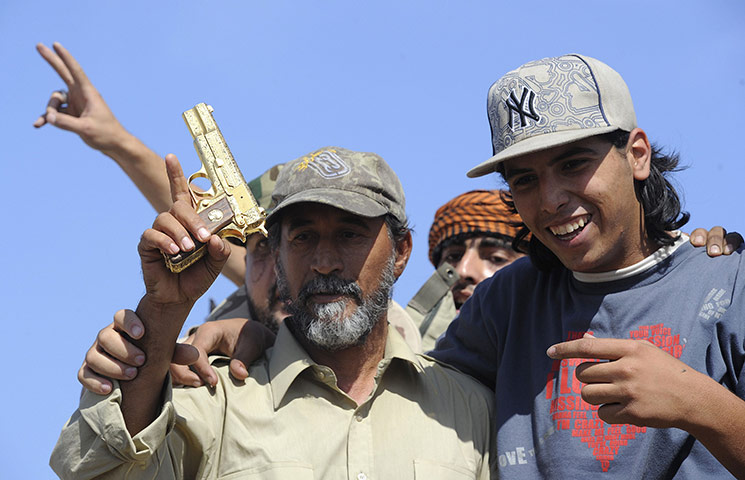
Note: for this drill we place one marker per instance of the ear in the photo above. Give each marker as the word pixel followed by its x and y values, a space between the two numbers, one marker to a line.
pixel 639 153
pixel 403 252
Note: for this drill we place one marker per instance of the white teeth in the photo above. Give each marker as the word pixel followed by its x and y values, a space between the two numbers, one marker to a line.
pixel 569 227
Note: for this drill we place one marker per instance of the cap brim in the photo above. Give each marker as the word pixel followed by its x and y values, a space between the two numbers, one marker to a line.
pixel 536 144
pixel 351 202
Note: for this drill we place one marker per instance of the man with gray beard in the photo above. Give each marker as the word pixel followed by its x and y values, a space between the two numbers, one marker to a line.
pixel 316 322
pixel 333 395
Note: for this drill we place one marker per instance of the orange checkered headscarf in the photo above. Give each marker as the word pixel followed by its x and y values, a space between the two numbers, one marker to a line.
pixel 477 212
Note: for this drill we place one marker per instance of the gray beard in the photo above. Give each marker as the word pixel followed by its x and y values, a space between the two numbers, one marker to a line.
pixel 325 326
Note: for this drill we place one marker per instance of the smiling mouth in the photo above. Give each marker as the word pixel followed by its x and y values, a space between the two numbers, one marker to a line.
pixel 571 229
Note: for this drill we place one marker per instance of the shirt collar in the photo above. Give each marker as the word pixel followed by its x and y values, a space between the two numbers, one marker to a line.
pixel 288 359
pixel 654 259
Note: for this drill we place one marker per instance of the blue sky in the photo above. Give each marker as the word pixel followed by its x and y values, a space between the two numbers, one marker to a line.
pixel 405 79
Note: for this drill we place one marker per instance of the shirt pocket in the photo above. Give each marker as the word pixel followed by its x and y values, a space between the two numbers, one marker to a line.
pixel 274 471
pixel 427 469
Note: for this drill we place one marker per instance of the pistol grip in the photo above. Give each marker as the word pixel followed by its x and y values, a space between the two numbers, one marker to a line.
pixel 216 216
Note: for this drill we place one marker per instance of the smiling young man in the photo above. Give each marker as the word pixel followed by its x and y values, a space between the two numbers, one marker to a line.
pixel 333 396
pixel 617 349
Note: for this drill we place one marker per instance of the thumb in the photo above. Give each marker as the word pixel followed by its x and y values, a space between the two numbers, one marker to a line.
pixel 185 354
pixel 64 121
pixel 238 369
pixel 218 251
pixel 253 340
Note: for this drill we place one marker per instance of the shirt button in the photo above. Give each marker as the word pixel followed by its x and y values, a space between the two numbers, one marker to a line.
pixel 321 375
pixel 358 417
pixel 361 476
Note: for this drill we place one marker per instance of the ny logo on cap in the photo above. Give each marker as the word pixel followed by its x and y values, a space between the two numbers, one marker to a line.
pixel 327 163
pixel 513 106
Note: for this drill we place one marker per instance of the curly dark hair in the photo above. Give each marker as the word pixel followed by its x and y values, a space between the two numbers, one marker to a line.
pixel 658 197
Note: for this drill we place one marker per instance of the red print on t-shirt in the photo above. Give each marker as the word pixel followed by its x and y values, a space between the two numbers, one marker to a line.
pixel 571 413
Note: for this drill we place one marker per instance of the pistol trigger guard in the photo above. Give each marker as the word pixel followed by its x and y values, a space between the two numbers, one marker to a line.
pixel 200 194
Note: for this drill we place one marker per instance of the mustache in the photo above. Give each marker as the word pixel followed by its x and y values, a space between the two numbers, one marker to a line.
pixel 329 284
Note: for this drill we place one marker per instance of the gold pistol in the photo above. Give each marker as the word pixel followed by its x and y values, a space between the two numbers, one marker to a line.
pixel 228 207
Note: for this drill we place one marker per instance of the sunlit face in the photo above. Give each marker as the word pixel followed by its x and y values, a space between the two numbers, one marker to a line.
pixel 579 201
pixel 336 270
pixel 475 259
pixel 263 301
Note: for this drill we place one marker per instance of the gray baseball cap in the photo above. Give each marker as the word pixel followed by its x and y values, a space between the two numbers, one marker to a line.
pixel 357 182
pixel 552 102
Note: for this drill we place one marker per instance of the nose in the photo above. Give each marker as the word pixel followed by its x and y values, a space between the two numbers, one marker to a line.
pixel 470 266
pixel 326 258
pixel 553 194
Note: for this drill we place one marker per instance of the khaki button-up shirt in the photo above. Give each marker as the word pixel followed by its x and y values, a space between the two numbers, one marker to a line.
pixel 291 421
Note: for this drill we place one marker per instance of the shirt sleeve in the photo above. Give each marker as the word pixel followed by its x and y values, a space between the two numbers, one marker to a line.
pixel 470 343
pixel 95 442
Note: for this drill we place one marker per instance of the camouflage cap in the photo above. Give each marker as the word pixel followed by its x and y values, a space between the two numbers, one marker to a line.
pixel 357 182
pixel 552 102
pixel 263 186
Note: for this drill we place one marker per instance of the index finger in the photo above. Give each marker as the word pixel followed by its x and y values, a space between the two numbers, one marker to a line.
pixel 76 71
pixel 177 180
pixel 590 347
pixel 56 62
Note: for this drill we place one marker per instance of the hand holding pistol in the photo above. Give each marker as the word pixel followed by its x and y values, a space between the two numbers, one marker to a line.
pixel 228 207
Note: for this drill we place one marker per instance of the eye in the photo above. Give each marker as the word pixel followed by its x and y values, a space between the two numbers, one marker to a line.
pixel 498 260
pixel 523 180
pixel 452 255
pixel 453 258
pixel 262 245
pixel 300 237
pixel 574 164
pixel 349 235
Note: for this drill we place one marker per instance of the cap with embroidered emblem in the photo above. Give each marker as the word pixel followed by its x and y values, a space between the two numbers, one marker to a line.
pixel 357 182
pixel 552 102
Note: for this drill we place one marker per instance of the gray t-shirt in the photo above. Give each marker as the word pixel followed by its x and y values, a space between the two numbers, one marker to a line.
pixel 688 304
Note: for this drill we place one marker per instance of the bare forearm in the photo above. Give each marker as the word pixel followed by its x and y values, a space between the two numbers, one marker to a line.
pixel 717 420
pixel 143 166
pixel 142 396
